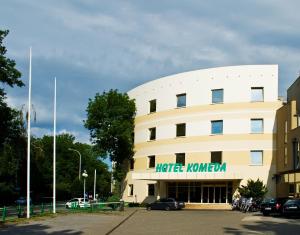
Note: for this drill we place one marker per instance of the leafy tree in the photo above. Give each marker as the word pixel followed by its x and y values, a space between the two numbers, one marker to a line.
pixel 9 75
pixel 255 189
pixel 110 119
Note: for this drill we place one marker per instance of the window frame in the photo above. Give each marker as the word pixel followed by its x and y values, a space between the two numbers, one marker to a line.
pixel 131 164
pixel 215 152
pixel 149 161
pixel 262 158
pixel 177 100
pixel 177 129
pixel 252 96
pixel 151 102
pixel 152 185
pixel 212 96
pixel 151 135
pixel 177 155
pixel 222 129
pixel 262 125
pixel 130 190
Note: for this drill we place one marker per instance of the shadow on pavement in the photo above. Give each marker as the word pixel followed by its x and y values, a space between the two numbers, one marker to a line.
pixel 291 226
pixel 34 229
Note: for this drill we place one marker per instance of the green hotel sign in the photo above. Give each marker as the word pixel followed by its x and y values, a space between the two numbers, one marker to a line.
pixel 191 167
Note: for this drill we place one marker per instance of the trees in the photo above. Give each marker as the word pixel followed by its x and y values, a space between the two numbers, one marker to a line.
pixel 110 119
pixel 255 189
pixel 10 123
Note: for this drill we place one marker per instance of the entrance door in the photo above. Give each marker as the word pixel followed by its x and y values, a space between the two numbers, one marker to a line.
pixel 205 194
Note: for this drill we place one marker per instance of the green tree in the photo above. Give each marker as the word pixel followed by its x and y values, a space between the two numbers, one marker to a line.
pixel 9 75
pixel 255 189
pixel 110 119
pixel 12 132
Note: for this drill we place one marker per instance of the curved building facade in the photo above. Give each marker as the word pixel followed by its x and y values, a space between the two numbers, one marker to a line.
pixel 201 134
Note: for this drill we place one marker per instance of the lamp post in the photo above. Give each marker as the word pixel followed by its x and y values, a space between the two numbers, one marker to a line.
pixel 79 160
pixel 84 175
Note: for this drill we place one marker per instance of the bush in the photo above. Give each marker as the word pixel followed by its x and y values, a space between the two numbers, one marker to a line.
pixel 113 198
pixel 255 189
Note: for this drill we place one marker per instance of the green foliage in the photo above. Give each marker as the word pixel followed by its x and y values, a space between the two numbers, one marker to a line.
pixel 10 125
pixel 255 189
pixel 110 119
pixel 113 198
pixel 8 73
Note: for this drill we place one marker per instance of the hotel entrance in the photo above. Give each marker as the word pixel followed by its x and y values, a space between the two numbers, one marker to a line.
pixel 201 192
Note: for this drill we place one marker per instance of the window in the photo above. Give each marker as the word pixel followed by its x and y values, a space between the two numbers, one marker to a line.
pixel 181 100
pixel 217 96
pixel 180 129
pixel 151 190
pixel 180 158
pixel 257 125
pixel 256 157
pixel 131 164
pixel 152 106
pixel 130 189
pixel 152 133
pixel 217 127
pixel 216 157
pixel 151 161
pixel 285 156
pixel 257 94
pixel 285 131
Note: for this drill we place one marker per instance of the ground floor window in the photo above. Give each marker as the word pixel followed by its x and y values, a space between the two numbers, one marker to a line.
pixel 200 192
pixel 130 190
pixel 151 189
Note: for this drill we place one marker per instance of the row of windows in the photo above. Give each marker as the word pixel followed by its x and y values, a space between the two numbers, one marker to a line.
pixel 217 97
pixel 256 158
pixel 257 126
pixel 151 190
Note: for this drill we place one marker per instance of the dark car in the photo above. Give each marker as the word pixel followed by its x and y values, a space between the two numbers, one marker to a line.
pixel 272 205
pixel 291 207
pixel 166 204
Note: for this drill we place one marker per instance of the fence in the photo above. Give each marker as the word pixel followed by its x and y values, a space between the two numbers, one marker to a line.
pixel 11 213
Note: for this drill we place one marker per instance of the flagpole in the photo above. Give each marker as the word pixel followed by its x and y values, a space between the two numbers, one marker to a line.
pixel 95 185
pixel 28 138
pixel 54 150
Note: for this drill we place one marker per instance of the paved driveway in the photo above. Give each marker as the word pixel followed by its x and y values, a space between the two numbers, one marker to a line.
pixel 159 222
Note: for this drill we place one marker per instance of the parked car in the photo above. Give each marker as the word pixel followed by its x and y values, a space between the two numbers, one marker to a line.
pixel 166 204
pixel 22 201
pixel 272 205
pixel 291 207
pixel 77 202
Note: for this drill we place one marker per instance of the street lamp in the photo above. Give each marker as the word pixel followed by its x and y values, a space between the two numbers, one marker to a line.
pixel 84 175
pixel 79 160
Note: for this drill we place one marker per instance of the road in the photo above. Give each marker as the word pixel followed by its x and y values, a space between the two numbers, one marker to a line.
pixel 140 221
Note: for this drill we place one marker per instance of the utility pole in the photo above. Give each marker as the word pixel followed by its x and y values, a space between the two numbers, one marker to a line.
pixel 95 185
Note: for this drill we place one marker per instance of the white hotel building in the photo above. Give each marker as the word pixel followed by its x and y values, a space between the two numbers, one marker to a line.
pixel 218 115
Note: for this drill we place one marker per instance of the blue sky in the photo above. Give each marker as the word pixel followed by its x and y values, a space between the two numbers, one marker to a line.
pixel 92 46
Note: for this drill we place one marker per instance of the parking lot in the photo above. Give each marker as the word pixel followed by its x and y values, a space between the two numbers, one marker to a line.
pixel 140 221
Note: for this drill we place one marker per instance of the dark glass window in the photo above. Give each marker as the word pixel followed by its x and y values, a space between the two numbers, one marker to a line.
pixel 217 127
pixel 131 164
pixel 151 190
pixel 151 163
pixel 152 133
pixel 152 106
pixel 180 129
pixel 217 96
pixel 180 158
pixel 130 190
pixel 216 157
pixel 181 100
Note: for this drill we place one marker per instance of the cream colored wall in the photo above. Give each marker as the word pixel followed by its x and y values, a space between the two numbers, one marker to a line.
pixel 236 142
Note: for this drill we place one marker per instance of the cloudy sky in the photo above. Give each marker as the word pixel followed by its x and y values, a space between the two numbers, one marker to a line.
pixel 94 45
